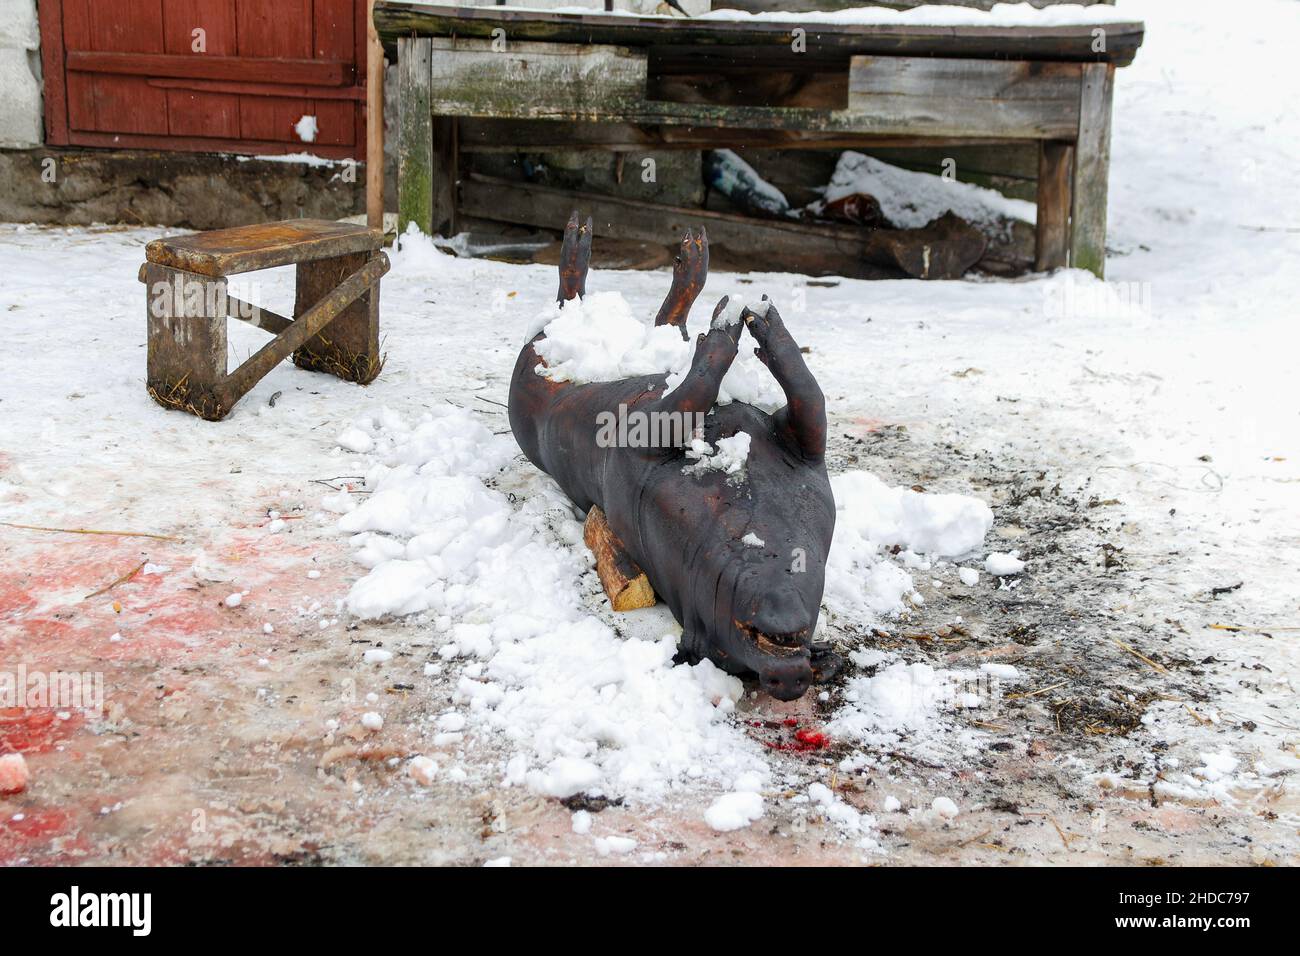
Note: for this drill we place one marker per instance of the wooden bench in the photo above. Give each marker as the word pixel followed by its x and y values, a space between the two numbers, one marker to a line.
pixel 335 327
pixel 625 83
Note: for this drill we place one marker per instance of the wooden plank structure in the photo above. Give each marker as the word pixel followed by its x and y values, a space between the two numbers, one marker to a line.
pixel 623 83
pixel 335 327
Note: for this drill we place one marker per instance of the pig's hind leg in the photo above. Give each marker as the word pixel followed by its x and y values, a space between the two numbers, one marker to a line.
pixel 690 272
pixel 575 259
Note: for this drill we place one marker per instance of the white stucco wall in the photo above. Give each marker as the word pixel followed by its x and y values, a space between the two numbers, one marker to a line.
pixel 20 83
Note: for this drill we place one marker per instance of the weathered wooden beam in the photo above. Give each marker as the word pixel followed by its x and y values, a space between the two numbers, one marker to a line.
pixel 888 96
pixel 535 80
pixel 770 37
pixel 813 249
pixel 415 135
pixel 489 135
pixel 1052 245
pixel 952 97
pixel 1092 170
pixel 444 174
pixel 374 123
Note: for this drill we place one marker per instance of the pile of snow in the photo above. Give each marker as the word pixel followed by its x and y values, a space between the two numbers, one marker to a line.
pixel 870 518
pixel 911 199
pixel 847 819
pixel 937 15
pixel 729 457
pixel 600 339
pixel 897 700
pixel 1003 563
pixel 577 707
pixel 737 304
pixel 748 379
pixel 732 811
pixel 306 129
pixel 943 15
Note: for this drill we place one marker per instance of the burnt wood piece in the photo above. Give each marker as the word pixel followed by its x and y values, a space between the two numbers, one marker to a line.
pixel 625 584
pixel 766 39
pixel 336 324
pixel 748 607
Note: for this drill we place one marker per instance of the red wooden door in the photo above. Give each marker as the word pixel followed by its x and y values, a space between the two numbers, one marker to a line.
pixel 206 75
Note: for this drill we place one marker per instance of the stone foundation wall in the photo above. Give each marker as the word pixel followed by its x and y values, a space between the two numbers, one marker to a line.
pixel 193 190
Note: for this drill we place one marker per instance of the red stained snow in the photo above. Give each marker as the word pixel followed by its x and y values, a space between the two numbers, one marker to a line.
pixel 790 736
pixel 35 731
pixel 172 624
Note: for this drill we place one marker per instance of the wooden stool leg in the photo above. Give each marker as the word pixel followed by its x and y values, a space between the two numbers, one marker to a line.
pixel 349 345
pixel 187 340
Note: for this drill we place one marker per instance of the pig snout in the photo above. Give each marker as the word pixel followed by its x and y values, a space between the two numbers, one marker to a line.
pixel 787 679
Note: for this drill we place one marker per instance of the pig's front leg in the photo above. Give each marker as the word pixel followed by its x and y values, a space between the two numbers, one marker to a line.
pixel 714 353
pixel 803 420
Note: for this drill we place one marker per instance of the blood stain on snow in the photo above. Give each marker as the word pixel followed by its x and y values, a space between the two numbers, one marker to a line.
pixel 36 730
pixel 791 737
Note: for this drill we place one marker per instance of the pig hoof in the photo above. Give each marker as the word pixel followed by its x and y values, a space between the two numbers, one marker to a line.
pixel 691 267
pixel 826 664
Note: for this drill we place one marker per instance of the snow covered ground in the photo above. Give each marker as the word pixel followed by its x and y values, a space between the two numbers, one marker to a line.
pixel 337 553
